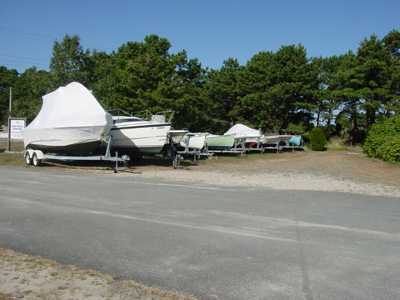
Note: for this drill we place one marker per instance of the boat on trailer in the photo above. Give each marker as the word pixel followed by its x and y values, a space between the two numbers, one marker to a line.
pixel 136 137
pixel 239 139
pixel 70 121
pixel 71 126
pixel 194 140
pixel 220 142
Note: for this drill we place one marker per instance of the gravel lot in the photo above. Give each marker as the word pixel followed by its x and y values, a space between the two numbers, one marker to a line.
pixel 29 277
pixel 331 171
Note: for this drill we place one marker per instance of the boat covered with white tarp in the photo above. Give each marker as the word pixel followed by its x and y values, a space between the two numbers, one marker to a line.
pixel 71 120
pixel 242 131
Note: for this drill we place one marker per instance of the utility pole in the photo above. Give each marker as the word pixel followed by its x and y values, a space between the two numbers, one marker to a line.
pixel 10 103
pixel 9 120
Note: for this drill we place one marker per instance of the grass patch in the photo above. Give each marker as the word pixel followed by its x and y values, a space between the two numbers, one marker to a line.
pixel 337 144
pixel 5 297
pixel 15 145
pixel 12 159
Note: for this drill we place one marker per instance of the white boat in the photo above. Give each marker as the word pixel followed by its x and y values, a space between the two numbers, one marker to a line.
pixel 71 121
pixel 177 135
pixel 240 131
pixel 277 139
pixel 133 135
pixel 194 141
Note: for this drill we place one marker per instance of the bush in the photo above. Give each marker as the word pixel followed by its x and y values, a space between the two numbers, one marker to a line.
pixel 383 140
pixel 390 150
pixel 295 129
pixel 318 139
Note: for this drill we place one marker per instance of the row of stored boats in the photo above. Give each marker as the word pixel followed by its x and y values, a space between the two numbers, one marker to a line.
pixel 72 122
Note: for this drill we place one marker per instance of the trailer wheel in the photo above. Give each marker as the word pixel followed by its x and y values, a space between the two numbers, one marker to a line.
pixel 28 160
pixel 35 160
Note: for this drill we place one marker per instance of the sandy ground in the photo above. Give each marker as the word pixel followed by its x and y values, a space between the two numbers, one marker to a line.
pixel 334 171
pixel 348 170
pixel 27 277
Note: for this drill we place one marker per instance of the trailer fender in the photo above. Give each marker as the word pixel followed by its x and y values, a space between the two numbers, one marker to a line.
pixel 39 153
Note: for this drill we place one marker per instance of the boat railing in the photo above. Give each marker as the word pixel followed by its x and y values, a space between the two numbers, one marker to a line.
pixel 119 112
pixel 145 114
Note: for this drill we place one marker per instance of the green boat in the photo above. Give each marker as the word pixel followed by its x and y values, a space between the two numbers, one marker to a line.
pixel 220 142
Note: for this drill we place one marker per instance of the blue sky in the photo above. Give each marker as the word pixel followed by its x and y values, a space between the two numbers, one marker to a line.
pixel 209 30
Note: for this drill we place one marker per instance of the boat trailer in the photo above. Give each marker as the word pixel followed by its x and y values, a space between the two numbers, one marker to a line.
pixel 37 157
pixel 240 147
pixel 177 153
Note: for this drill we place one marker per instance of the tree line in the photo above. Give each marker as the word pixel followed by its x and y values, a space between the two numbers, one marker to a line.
pixel 283 90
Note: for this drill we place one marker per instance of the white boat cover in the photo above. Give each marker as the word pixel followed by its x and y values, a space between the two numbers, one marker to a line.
pixel 242 131
pixel 69 115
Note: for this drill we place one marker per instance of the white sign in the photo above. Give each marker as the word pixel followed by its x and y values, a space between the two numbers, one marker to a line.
pixel 17 127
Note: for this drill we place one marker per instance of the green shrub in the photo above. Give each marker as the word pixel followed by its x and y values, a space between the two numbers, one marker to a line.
pixel 383 140
pixel 295 128
pixel 318 139
pixel 390 150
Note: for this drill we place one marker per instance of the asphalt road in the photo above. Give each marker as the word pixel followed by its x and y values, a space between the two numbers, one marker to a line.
pixel 216 243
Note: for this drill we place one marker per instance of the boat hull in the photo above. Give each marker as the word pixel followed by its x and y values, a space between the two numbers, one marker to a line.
pixel 276 139
pixel 194 141
pixel 147 139
pixel 71 140
pixel 220 142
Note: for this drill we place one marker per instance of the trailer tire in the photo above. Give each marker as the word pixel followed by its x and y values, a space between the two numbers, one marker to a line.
pixel 28 160
pixel 35 160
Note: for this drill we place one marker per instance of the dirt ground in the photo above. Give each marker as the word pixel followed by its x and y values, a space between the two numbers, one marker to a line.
pixel 350 164
pixel 340 171
pixel 5 297
pixel 345 170
pixel 35 278
pixel 345 164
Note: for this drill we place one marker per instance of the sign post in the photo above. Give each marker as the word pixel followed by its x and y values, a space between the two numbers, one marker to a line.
pixel 9 116
pixel 9 135
pixel 16 128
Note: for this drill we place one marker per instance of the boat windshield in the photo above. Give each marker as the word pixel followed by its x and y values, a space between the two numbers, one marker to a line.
pixel 118 120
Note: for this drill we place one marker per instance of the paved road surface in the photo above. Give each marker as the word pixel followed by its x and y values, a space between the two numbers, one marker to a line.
pixel 217 243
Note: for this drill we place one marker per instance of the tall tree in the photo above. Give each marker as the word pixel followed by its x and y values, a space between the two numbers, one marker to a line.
pixel 224 90
pixel 8 78
pixel 277 87
pixel 324 102
pixel 69 62
pixel 346 83
pixel 392 44
pixel 373 69
pixel 32 84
